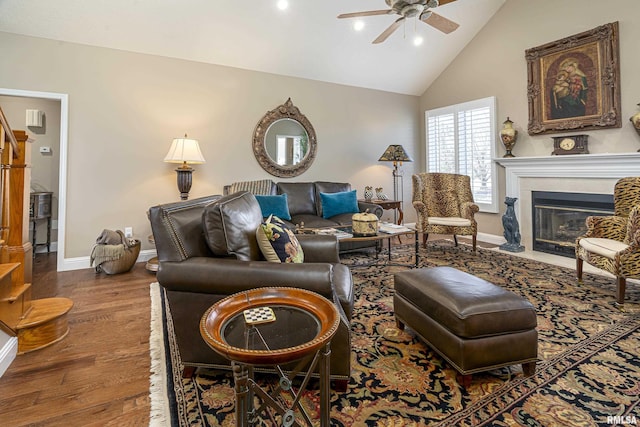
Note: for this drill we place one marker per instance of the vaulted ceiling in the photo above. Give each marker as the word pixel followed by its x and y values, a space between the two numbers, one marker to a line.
pixel 305 40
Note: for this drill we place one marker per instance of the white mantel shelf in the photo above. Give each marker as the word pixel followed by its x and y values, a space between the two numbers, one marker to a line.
pixel 605 165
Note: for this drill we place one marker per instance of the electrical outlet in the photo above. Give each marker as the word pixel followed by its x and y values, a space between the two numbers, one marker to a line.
pixel 128 232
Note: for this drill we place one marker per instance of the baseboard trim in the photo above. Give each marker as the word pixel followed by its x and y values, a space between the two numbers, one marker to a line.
pixel 491 238
pixel 80 263
pixel 42 249
pixel 8 353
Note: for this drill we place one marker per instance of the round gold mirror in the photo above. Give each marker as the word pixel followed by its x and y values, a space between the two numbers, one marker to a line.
pixel 284 141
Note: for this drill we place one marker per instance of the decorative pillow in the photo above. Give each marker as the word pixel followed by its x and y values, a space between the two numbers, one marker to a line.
pixel 338 203
pixel 277 242
pixel 446 204
pixel 262 186
pixel 274 205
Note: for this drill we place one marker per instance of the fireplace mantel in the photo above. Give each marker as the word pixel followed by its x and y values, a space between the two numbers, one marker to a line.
pixel 608 165
pixel 588 173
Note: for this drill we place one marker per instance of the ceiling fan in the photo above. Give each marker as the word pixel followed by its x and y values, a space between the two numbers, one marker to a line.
pixel 409 9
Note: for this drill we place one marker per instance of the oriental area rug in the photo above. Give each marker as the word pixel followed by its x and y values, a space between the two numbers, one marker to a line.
pixel 588 373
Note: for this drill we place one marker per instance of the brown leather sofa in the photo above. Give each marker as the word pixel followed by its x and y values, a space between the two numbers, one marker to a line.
pixel 194 278
pixel 305 204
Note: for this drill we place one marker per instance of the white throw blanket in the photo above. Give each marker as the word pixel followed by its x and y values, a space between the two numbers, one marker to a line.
pixel 110 246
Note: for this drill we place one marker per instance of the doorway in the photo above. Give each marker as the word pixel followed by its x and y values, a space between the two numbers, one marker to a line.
pixel 60 191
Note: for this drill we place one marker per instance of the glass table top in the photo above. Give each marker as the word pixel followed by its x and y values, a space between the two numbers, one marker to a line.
pixel 291 327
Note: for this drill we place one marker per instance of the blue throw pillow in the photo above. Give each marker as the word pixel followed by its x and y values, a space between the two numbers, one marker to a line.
pixel 338 203
pixel 274 205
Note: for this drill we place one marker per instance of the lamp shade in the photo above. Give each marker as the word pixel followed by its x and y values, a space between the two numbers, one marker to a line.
pixel 184 150
pixel 395 153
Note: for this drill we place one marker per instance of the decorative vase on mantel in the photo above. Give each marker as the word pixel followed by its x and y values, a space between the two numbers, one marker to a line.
pixel 508 135
pixel 635 120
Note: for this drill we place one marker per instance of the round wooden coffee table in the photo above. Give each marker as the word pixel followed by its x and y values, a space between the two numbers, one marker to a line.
pixel 303 327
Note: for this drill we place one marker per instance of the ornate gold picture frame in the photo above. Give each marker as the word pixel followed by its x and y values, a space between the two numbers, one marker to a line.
pixel 574 83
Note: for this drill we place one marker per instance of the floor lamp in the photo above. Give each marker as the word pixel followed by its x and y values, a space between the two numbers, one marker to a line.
pixel 397 155
pixel 185 151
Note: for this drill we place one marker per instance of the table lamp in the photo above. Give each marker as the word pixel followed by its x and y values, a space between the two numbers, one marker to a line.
pixel 185 151
pixel 397 155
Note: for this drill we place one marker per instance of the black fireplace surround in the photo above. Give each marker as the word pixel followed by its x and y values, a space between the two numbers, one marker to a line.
pixel 559 218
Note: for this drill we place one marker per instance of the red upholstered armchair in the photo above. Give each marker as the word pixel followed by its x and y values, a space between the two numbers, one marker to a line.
pixel 444 205
pixel 612 243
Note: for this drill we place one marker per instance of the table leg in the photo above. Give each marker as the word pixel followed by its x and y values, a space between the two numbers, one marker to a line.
pixel 389 250
pixel 400 219
pixel 325 418
pixel 417 247
pixel 33 240
pixel 48 234
pixel 243 403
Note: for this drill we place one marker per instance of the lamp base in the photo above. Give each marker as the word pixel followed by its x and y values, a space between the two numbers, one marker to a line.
pixel 184 181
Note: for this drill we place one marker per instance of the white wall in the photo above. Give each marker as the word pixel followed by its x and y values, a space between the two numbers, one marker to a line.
pixel 494 64
pixel 125 108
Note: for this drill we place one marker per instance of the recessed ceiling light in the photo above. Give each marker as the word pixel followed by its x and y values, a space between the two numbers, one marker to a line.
pixel 358 25
pixel 283 4
pixel 417 40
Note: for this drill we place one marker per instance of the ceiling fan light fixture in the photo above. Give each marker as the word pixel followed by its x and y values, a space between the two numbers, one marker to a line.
pixel 407 9
pixel 283 4
pixel 418 40
pixel 358 25
pixel 425 15
pixel 411 10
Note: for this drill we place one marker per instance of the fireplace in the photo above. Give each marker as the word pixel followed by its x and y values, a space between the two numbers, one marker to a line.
pixel 559 218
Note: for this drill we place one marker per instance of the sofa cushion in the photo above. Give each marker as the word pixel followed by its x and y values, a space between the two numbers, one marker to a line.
pixel 301 197
pixel 276 205
pixel 277 242
pixel 230 224
pixel 339 203
pixel 329 187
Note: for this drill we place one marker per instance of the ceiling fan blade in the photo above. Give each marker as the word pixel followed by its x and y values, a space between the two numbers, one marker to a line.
pixel 386 33
pixel 367 13
pixel 443 2
pixel 441 23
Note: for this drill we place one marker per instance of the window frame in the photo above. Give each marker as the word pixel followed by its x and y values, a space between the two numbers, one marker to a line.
pixel 489 102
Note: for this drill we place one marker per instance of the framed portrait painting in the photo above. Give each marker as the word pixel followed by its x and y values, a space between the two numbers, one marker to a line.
pixel 574 83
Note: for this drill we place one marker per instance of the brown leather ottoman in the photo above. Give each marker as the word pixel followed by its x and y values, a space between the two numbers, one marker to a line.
pixel 473 324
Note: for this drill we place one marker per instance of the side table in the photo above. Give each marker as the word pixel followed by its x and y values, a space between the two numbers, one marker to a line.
pixel 388 205
pixel 39 209
pixel 302 330
pixel 152 264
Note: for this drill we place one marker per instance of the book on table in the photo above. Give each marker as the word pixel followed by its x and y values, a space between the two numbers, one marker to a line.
pixel 339 233
pixel 390 228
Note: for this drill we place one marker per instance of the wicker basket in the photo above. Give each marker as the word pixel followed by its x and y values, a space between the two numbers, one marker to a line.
pixel 123 264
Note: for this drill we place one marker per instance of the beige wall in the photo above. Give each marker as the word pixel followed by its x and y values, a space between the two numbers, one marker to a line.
pixel 125 108
pixel 44 166
pixel 494 64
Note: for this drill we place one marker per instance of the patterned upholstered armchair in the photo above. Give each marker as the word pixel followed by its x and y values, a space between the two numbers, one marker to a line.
pixel 444 205
pixel 612 243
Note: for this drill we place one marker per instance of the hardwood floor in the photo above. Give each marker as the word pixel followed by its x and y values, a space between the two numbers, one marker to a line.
pixel 98 375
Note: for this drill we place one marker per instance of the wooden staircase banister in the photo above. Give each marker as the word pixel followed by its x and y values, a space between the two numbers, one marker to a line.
pixel 7 130
pixel 36 323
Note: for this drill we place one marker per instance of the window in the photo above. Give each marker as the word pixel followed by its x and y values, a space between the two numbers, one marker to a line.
pixel 289 149
pixel 460 139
